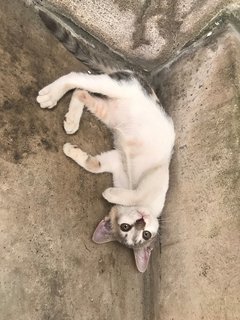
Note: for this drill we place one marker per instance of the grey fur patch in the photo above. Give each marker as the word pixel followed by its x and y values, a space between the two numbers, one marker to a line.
pixel 144 84
pixel 84 53
pixel 128 76
pixel 122 75
pixel 98 95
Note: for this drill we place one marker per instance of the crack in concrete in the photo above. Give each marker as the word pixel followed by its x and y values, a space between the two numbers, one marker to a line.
pixel 230 16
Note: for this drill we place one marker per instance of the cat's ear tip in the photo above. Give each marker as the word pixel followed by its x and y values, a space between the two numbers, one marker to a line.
pixel 103 232
pixel 95 240
pixel 142 257
pixel 141 270
pixel 96 236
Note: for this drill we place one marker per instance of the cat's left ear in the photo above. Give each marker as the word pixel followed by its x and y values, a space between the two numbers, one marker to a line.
pixel 142 256
pixel 103 232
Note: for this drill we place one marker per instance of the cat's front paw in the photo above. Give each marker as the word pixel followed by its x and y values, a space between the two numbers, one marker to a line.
pixel 71 124
pixel 111 195
pixel 48 97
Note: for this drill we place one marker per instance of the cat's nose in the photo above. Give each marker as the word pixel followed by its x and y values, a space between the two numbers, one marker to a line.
pixel 140 224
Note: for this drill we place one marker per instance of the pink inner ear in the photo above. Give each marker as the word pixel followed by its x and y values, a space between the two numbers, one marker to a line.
pixel 103 232
pixel 142 256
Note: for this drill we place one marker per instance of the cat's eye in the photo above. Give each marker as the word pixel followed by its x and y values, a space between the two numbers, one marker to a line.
pixel 146 235
pixel 125 227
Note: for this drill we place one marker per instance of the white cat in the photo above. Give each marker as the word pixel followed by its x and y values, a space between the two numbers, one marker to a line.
pixel 143 139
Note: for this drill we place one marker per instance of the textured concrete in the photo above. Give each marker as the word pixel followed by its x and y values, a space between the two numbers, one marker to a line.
pixel 49 267
pixel 146 31
pixel 200 258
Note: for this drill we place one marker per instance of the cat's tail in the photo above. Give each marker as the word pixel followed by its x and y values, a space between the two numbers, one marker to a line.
pixel 96 62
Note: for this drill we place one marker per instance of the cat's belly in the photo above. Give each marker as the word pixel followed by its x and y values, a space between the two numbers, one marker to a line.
pixel 135 166
pixel 138 166
pixel 140 154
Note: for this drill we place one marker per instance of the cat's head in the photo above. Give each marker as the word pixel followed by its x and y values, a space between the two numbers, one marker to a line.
pixel 134 227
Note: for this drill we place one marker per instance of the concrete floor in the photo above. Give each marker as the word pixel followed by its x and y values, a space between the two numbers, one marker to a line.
pixel 49 267
pixel 49 207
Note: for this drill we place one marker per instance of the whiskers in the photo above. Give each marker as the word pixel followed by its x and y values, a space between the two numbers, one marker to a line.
pixel 165 224
pixel 164 221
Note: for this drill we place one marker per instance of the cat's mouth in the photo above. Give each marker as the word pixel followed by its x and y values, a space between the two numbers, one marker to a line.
pixel 131 246
pixel 149 243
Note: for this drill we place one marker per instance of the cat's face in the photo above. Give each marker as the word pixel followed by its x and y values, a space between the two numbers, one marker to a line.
pixel 134 227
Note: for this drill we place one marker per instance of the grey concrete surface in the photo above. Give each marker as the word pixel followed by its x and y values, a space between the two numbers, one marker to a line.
pixel 200 256
pixel 146 31
pixel 49 207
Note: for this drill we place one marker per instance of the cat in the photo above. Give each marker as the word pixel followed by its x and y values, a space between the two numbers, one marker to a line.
pixel 143 144
pixel 143 139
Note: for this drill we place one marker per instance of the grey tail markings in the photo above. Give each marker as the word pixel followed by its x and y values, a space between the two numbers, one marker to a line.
pixel 81 51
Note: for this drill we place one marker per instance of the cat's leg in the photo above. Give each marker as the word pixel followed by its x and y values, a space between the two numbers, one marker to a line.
pixel 49 96
pixel 98 106
pixel 153 185
pixel 103 84
pixel 73 116
pixel 109 161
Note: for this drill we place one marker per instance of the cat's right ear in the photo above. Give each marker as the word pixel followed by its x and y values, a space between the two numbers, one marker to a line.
pixel 103 232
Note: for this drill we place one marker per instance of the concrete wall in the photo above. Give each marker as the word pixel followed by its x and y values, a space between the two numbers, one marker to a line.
pixel 200 241
pixel 147 32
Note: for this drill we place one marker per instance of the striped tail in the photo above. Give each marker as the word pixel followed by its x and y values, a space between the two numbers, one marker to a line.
pixel 83 52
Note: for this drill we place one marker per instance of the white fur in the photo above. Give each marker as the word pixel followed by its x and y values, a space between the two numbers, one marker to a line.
pixel 143 136
pixel 73 117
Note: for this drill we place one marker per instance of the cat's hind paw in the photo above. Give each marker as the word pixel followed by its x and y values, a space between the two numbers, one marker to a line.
pixel 71 124
pixel 69 149
pixel 75 153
